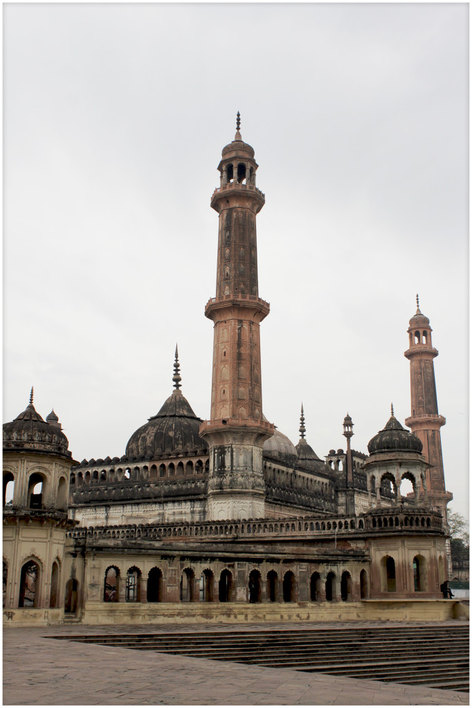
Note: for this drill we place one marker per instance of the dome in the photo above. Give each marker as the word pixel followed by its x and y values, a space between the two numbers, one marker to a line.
pixel 418 319
pixel 394 438
pixel 279 447
pixel 173 430
pixel 30 433
pixel 306 452
pixel 238 147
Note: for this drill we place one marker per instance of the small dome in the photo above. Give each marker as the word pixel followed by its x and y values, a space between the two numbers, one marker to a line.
pixel 30 433
pixel 174 429
pixel 305 451
pixel 419 320
pixel 279 447
pixel 394 438
pixel 238 147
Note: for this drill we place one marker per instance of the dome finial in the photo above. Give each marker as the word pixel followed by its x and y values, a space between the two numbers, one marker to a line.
pixel 391 410
pixel 31 396
pixel 302 424
pixel 238 125
pixel 418 311
pixel 176 377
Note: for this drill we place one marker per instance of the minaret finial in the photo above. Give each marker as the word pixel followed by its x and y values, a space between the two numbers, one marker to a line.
pixel 418 311
pixel 302 424
pixel 176 377
pixel 238 126
pixel 31 396
pixel 391 410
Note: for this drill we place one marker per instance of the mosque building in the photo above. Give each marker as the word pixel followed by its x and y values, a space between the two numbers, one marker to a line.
pixel 228 510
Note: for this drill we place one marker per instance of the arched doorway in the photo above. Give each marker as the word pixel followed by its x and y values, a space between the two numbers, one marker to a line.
pixel 206 586
pixel 187 585
pixel 315 587
pixel 111 584
pixel 419 573
pixel 36 491
pixel 72 595
pixel 8 488
pixel 29 585
pixel 254 586
pixel 329 586
pixel 346 586
pixel 289 587
pixel 272 586
pixel 154 585
pixel 53 597
pixel 389 575
pixel 225 586
pixel 364 585
pixel 133 585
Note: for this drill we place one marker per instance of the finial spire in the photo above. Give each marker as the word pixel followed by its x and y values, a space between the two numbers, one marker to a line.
pixel 418 311
pixel 391 410
pixel 176 377
pixel 302 424
pixel 31 396
pixel 238 125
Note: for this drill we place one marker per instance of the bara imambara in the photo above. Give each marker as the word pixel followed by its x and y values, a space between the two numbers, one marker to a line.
pixel 225 519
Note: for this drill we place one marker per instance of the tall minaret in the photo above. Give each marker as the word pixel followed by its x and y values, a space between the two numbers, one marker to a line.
pixel 425 422
pixel 237 428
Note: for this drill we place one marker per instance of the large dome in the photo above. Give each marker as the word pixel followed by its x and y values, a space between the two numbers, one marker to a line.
pixel 394 438
pixel 29 432
pixel 173 430
pixel 279 447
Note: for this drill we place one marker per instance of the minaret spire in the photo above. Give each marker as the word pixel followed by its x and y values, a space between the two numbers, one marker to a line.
pixel 31 396
pixel 418 311
pixel 238 126
pixel 176 377
pixel 302 424
pixel 391 410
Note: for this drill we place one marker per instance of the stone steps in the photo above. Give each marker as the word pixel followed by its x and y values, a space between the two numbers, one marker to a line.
pixel 419 654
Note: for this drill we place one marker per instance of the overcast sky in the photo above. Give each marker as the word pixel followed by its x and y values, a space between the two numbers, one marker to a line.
pixel 115 117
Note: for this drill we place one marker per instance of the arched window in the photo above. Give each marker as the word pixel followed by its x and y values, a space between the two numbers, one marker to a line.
pixel 54 596
pixel 346 586
pixel 364 585
pixel 8 488
pixel 241 173
pixel 162 470
pixel 329 586
pixel 272 586
pixel 111 585
pixel 199 466
pixel 407 485
pixel 417 338
pixel 154 585
pixel 289 587
pixel 254 586
pixel 171 469
pixel 189 467
pixel 35 491
pixel 180 469
pixel 315 587
pixel 206 586
pixel 225 586
pixel 29 585
pixel 132 590
pixel 187 585
pixel 71 598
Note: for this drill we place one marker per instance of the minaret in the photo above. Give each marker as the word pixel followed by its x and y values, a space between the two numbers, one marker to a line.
pixel 237 428
pixel 425 422
pixel 349 480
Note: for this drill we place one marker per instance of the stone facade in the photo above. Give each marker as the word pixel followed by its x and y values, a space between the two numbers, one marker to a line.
pixel 226 518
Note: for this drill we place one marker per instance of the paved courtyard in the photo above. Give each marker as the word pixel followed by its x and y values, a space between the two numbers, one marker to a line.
pixel 44 671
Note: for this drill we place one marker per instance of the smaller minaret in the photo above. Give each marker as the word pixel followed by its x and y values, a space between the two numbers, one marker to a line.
pixel 425 421
pixel 348 433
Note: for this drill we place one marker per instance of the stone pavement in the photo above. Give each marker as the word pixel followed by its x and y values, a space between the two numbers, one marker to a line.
pixel 44 671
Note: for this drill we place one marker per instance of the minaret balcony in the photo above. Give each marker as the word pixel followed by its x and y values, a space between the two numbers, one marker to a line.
pixel 247 194
pixel 421 350
pixel 220 307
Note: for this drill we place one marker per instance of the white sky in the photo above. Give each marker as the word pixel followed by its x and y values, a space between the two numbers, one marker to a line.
pixel 114 119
